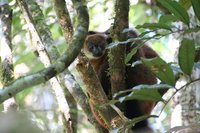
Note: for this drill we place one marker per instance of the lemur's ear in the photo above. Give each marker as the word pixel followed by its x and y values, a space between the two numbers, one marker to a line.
pixel 132 34
pixel 109 39
pixel 106 34
pixel 92 32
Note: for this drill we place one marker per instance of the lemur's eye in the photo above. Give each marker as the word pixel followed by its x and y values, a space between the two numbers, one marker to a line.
pixel 91 46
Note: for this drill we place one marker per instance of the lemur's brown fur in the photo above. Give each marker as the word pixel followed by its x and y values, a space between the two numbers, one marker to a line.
pixel 136 75
pixel 97 40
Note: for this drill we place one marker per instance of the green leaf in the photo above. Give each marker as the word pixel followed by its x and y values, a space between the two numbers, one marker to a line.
pixel 144 33
pixel 143 92
pixel 138 62
pixel 143 86
pixel 185 3
pixel 186 55
pixel 167 19
pixel 135 120
pixel 140 118
pixel 188 31
pixel 154 26
pixel 161 69
pixel 130 55
pixel 196 7
pixel 175 8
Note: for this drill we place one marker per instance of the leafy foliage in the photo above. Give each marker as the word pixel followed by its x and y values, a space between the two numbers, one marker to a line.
pixel 196 5
pixel 168 73
pixel 176 9
pixel 154 26
pixel 186 55
pixel 130 55
pixel 185 3
pixel 143 92
pixel 161 69
pixel 151 29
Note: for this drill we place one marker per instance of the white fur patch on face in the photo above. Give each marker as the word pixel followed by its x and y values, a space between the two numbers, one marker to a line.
pixel 89 55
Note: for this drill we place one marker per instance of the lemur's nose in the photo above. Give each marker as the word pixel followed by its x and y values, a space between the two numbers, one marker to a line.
pixel 97 52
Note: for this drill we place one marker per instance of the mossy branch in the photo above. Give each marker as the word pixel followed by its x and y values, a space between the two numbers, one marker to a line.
pixel 42 39
pixel 97 98
pixel 6 62
pixel 81 99
pixel 72 85
pixel 6 74
pixel 64 18
pixel 60 64
pixel 117 54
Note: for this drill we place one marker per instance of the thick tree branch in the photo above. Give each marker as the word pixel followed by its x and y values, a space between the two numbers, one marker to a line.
pixel 6 66
pixel 60 65
pixel 50 53
pixel 117 54
pixel 64 18
pixel 6 45
pixel 73 87
pixel 81 99
pixel 105 114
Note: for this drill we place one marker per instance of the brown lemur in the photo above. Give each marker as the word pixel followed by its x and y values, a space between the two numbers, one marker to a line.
pixel 95 49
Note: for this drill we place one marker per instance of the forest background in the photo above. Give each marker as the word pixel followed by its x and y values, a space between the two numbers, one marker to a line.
pixel 171 28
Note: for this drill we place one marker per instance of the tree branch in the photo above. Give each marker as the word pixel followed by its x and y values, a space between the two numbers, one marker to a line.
pixel 6 45
pixel 117 54
pixel 105 114
pixel 64 18
pixel 60 65
pixel 39 30
pixel 72 85
pixel 81 99
pixel 6 63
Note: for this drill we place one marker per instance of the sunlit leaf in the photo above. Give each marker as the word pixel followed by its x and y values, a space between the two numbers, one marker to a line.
pixel 154 26
pixel 196 7
pixel 161 69
pixel 135 120
pixel 144 86
pixel 186 55
pixel 144 33
pixel 130 55
pixel 138 62
pixel 143 92
pixel 175 8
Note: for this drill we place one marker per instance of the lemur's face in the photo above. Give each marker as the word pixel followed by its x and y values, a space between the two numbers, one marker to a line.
pixel 95 46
